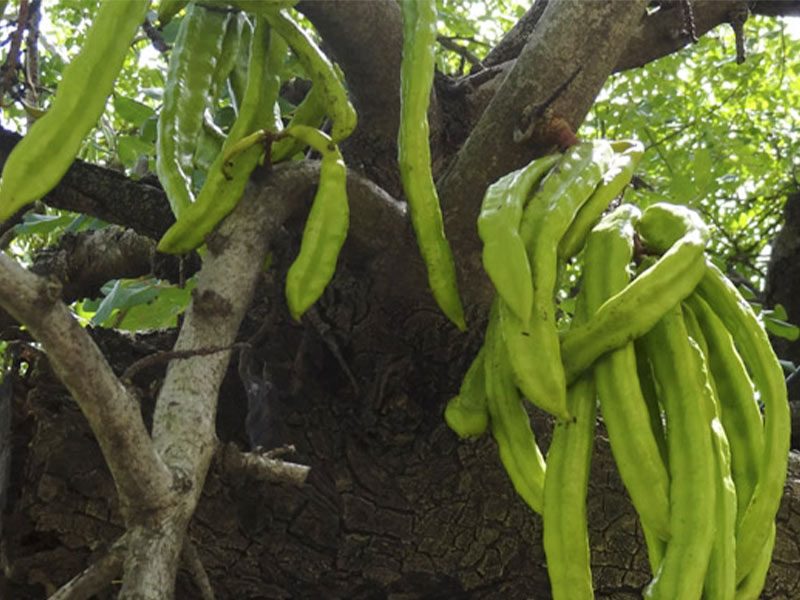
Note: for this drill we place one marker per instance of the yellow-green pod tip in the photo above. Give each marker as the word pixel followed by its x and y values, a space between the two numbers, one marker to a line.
pixel 464 422
pixel 296 308
pixel 295 311
pixel 171 243
pixel 557 409
pixel 564 416
pixel 452 309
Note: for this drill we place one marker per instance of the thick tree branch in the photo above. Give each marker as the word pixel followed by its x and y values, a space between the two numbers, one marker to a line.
pixel 556 70
pixel 184 420
pixel 664 31
pixel 153 557
pixel 142 480
pixel 185 415
pixel 105 194
pixel 660 34
pixel 83 262
pixel 776 8
pixel 373 77
pixel 515 39
pixel 348 28
pixel 183 423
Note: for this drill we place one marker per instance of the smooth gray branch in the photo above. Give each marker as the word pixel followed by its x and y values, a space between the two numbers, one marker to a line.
pixel 96 577
pixel 142 479
pixel 262 467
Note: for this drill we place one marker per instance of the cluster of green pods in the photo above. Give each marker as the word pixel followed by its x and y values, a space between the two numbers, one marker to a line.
pixel 661 343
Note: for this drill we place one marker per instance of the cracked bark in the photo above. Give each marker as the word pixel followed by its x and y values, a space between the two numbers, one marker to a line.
pixel 393 506
pixel 783 287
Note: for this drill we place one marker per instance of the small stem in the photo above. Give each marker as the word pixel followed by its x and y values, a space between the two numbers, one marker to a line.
pixel 96 577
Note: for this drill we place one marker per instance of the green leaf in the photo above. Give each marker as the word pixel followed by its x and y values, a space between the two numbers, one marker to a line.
pixel 779 312
pixel 782 329
pixel 149 130
pixel 160 312
pixel 85 223
pixel 132 111
pixel 137 305
pixel 703 177
pixel 37 224
pixel 682 189
pixel 130 148
pixel 748 295
pixel 120 295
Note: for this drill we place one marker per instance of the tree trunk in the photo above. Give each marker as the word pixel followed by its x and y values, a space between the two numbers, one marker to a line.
pixel 395 506
pixel 783 287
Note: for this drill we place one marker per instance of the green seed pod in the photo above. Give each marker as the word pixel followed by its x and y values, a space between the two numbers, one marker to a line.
pixel 569 458
pixel 505 257
pixel 510 423
pixel 187 95
pixel 326 226
pixel 634 310
pixel 609 251
pixel 755 349
pixel 39 161
pixel 223 189
pixel 414 156
pixel 677 366
pixel 739 411
pixel 310 112
pixel 751 586
pixel 626 158
pixel 467 414
pixel 534 350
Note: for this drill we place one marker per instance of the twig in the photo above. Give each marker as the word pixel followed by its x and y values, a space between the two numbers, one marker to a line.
pixel 9 68
pixel 155 36
pixel 32 56
pixel 460 50
pixel 687 11
pixel 738 17
pixel 168 355
pixel 261 467
pixel 95 577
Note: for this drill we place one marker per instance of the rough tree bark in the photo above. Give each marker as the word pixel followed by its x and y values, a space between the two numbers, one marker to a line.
pixel 394 505
pixel 783 287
